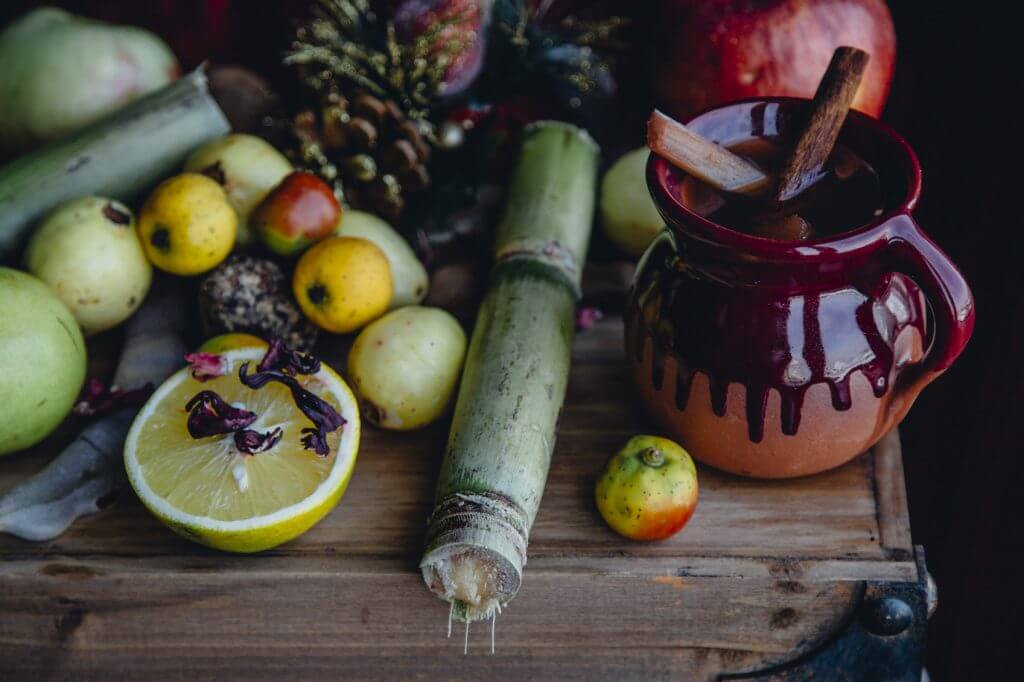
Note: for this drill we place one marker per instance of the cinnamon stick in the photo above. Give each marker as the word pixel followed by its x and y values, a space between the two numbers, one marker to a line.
pixel 831 103
pixel 710 162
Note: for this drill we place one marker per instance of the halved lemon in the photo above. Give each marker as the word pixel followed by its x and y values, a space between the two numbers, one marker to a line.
pixel 208 491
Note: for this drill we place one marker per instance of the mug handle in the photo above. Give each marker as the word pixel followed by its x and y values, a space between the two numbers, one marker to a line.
pixel 913 253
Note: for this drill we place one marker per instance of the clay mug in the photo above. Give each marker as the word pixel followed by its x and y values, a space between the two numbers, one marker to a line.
pixel 775 359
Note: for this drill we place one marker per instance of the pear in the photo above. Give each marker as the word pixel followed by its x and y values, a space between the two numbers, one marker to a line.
pixel 42 361
pixel 61 72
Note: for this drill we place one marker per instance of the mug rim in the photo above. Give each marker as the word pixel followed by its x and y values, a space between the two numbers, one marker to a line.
pixel 676 213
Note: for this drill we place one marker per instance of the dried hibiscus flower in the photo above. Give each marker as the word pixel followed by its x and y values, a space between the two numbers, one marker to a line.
pixel 587 317
pixel 98 399
pixel 206 366
pixel 251 442
pixel 280 358
pixel 211 415
pixel 324 417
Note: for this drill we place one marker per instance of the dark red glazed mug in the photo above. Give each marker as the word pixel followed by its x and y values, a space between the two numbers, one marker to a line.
pixel 775 359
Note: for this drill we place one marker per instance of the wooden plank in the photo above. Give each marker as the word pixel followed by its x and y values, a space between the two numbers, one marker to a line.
pixel 96 613
pixel 296 662
pixel 891 498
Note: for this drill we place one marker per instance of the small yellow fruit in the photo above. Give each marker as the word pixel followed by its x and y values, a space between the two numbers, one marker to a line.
pixel 222 343
pixel 648 490
pixel 187 225
pixel 406 365
pixel 341 283
pixel 409 280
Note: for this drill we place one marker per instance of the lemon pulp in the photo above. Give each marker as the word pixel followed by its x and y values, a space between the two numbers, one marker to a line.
pixel 209 491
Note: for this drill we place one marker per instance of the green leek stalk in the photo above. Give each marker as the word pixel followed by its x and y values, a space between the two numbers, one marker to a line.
pixel 513 384
pixel 119 156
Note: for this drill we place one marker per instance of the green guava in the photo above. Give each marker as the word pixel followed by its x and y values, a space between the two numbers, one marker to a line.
pixel 87 252
pixel 42 361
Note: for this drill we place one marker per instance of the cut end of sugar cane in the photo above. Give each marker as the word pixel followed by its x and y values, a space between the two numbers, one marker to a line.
pixel 476 552
pixel 513 383
pixel 469 582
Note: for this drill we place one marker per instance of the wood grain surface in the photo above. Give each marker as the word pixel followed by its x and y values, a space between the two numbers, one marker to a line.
pixel 763 573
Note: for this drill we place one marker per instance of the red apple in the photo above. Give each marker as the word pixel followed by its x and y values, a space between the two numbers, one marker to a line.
pixel 708 52
pixel 300 210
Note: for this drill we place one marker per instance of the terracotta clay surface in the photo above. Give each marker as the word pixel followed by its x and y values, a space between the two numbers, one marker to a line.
pixel 813 349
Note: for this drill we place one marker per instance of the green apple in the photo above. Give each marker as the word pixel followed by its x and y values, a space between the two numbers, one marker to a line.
pixel 409 279
pixel 87 252
pixel 247 167
pixel 42 361
pixel 628 215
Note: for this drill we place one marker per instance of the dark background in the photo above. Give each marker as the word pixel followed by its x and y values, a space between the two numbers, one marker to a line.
pixel 956 99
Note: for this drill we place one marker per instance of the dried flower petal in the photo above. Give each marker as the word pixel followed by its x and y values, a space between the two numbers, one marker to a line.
pixel 251 442
pixel 97 399
pixel 587 317
pixel 324 417
pixel 316 440
pixel 206 366
pixel 280 358
pixel 211 415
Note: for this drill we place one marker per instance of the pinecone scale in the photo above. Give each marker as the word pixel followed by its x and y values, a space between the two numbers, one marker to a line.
pixel 374 154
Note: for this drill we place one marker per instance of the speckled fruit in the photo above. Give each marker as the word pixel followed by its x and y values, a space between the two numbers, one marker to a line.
pixel 86 251
pixel 342 283
pixel 42 361
pixel 405 366
pixel 299 211
pixel 187 226
pixel 648 490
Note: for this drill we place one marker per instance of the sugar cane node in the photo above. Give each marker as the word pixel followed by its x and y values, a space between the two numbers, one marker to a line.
pixel 545 251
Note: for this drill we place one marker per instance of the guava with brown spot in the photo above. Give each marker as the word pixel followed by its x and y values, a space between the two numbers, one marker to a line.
pixel 86 251
pixel 406 366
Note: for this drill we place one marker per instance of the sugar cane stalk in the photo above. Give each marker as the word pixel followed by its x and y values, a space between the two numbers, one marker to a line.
pixel 503 431
pixel 119 156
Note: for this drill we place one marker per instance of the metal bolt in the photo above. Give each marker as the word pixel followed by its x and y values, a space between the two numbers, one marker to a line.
pixel 887 616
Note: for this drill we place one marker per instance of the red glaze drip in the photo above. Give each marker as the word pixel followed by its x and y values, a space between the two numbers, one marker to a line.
pixel 766 338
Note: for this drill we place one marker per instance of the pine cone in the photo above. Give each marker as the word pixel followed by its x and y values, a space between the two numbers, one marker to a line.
pixel 373 153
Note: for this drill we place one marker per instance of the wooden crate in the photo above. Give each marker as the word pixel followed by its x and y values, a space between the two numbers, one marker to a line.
pixel 766 574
